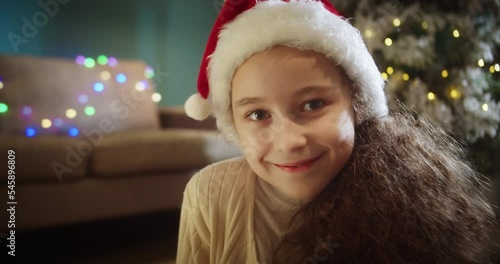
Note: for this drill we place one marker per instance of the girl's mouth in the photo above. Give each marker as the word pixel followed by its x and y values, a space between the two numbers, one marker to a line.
pixel 298 166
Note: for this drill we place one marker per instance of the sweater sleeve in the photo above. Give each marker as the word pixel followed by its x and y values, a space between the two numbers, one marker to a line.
pixel 192 245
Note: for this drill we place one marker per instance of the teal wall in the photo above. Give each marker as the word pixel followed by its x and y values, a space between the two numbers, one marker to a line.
pixel 169 35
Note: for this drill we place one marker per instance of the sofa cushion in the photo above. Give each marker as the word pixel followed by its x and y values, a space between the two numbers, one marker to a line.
pixel 47 158
pixel 55 89
pixel 166 150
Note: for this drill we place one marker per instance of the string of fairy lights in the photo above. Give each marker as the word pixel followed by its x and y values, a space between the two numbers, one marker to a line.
pixel 453 91
pixel 63 121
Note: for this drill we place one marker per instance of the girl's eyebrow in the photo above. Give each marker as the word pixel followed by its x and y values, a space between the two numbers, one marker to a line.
pixel 301 92
pixel 313 89
pixel 248 100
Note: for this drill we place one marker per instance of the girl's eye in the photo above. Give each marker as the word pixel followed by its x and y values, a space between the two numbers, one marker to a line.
pixel 313 105
pixel 257 115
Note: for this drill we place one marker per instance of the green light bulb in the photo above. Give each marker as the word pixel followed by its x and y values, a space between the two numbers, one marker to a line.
pixel 89 62
pixel 89 110
pixel 102 60
pixel 3 108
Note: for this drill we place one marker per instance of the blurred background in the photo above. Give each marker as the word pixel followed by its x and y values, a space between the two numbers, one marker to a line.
pixel 169 36
pixel 440 59
pixel 133 216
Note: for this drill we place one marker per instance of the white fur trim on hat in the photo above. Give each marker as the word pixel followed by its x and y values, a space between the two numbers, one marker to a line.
pixel 302 24
pixel 197 107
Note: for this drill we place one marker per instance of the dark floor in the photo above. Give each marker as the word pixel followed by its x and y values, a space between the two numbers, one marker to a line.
pixel 141 239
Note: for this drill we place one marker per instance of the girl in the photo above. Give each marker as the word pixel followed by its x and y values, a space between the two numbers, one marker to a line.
pixel 328 176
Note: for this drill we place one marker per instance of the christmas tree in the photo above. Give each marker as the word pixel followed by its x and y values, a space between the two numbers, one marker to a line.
pixel 441 60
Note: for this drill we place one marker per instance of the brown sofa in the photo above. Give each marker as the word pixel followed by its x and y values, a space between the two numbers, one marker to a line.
pixel 133 159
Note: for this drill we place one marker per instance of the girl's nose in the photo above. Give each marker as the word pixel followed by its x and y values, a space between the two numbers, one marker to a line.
pixel 292 136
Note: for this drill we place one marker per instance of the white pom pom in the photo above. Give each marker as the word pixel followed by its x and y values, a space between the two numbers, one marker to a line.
pixel 197 107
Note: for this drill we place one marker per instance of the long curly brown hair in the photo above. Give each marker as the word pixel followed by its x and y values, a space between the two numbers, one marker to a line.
pixel 406 195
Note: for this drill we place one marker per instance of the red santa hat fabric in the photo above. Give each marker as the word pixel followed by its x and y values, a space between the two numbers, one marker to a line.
pixel 246 27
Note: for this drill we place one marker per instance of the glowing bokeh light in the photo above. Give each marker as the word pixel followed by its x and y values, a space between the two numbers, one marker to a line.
pixel 89 111
pixel 30 132
pixel 27 110
pixel 46 123
pixel 140 86
pixel 431 96
pixel 396 22
pixel 156 97
pixel 425 25
pixel 444 73
pixel 485 107
pixel 480 63
pixel 456 34
pixel 83 98
pixel 102 60
pixel 80 60
pixel 385 76
pixel 121 78
pixel 406 76
pixel 454 93
pixel 1 84
pixel 71 113
pixel 73 131
pixel 149 72
pixel 368 33
pixel 105 75
pixel 98 87
pixel 390 70
pixel 497 67
pixel 3 108
pixel 89 62
pixel 58 122
pixel 388 42
pixel 112 61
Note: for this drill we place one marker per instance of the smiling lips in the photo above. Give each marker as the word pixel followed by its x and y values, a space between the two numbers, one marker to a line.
pixel 298 166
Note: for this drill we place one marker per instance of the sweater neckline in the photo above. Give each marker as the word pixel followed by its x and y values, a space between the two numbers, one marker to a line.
pixel 276 195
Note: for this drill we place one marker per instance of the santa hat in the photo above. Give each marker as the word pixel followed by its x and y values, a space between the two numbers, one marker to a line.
pixel 246 27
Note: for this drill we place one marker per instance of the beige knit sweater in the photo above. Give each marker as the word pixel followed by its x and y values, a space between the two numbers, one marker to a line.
pixel 230 215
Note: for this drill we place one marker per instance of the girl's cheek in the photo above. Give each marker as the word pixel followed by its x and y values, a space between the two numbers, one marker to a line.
pixel 249 148
pixel 345 127
pixel 248 142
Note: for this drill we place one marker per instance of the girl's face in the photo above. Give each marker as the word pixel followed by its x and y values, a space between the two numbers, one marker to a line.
pixel 293 115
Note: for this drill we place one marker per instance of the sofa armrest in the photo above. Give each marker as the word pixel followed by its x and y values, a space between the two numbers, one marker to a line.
pixel 175 117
